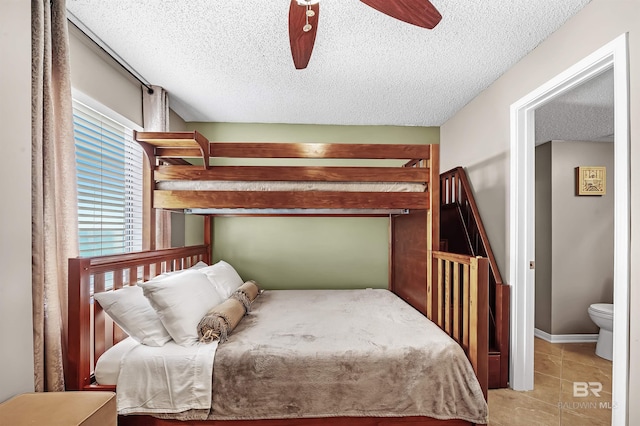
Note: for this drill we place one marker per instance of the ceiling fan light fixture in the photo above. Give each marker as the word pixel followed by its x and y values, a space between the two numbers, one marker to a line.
pixel 303 25
pixel 309 13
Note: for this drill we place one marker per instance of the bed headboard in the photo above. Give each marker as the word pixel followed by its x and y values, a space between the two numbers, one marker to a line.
pixel 90 331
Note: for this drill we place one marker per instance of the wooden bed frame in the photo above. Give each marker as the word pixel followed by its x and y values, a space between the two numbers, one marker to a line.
pixel 458 303
pixel 451 290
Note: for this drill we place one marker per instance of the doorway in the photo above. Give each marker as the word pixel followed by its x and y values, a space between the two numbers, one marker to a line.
pixel 521 215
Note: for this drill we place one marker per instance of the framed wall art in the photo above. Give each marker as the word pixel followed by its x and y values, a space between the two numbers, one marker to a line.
pixel 591 180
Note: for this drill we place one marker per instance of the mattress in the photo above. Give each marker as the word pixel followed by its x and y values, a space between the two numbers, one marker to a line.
pixel 195 185
pixel 326 353
pixel 108 366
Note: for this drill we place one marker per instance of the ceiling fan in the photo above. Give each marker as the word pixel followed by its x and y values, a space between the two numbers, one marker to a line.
pixel 303 21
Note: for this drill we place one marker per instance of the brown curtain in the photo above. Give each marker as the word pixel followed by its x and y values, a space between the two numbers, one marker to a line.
pixel 54 199
pixel 155 107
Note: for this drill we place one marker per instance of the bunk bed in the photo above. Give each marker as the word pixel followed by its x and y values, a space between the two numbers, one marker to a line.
pixel 182 174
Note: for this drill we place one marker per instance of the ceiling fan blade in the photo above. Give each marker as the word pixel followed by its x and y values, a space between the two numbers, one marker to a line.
pixel 302 41
pixel 421 13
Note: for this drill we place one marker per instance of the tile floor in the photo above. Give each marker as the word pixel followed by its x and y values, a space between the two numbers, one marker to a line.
pixel 552 401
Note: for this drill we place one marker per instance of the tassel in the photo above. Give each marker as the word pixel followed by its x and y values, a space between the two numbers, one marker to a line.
pixel 246 294
pixel 244 299
pixel 213 327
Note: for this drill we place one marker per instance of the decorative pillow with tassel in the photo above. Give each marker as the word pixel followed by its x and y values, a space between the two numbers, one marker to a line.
pixel 220 321
pixel 247 293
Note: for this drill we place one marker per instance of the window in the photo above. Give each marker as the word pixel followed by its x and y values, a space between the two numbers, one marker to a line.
pixel 109 169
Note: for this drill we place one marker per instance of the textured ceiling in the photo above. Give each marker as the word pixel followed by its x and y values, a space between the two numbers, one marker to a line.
pixel 229 61
pixel 585 113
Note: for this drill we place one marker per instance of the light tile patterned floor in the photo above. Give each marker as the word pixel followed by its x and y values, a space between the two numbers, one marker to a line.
pixel 552 402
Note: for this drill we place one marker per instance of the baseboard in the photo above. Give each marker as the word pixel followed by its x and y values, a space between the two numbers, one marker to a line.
pixel 565 338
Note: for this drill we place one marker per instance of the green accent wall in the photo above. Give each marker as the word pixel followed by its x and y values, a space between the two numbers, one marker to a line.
pixel 306 252
pixel 267 132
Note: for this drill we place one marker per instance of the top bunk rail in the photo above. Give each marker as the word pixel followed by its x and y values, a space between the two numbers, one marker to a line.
pixel 192 144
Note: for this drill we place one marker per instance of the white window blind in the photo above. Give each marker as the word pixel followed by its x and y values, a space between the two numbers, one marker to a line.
pixel 109 169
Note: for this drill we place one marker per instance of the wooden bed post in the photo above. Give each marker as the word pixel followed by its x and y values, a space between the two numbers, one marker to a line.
pixel 479 313
pixel 148 185
pixel 77 368
pixel 433 228
pixel 148 212
pixel 414 237
pixel 462 310
pixel 208 237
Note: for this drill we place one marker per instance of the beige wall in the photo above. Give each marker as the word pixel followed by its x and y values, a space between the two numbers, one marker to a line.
pixel 16 332
pixel 98 76
pixel 580 244
pixel 308 252
pixel 543 238
pixel 176 123
pixel 478 136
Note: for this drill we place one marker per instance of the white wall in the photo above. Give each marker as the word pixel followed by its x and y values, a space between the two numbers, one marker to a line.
pixel 477 137
pixel 16 333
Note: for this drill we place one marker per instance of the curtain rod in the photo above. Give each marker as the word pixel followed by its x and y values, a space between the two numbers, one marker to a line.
pixel 108 50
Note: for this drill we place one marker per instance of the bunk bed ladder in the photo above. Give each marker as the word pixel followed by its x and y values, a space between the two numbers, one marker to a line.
pixel 462 232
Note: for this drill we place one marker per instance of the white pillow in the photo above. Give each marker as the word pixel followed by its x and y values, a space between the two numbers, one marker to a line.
pixel 134 314
pixel 181 301
pixel 199 265
pixel 225 279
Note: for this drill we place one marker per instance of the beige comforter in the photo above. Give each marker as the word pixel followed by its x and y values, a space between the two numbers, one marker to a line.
pixel 314 353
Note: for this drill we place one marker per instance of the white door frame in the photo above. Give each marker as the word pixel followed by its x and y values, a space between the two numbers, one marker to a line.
pixel 522 217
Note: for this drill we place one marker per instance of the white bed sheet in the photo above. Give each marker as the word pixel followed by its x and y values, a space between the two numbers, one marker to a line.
pixel 108 365
pixel 159 380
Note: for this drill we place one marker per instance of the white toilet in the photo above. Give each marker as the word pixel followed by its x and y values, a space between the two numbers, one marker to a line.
pixel 602 315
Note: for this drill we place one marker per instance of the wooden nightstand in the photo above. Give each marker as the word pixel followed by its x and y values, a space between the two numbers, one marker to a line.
pixel 60 409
